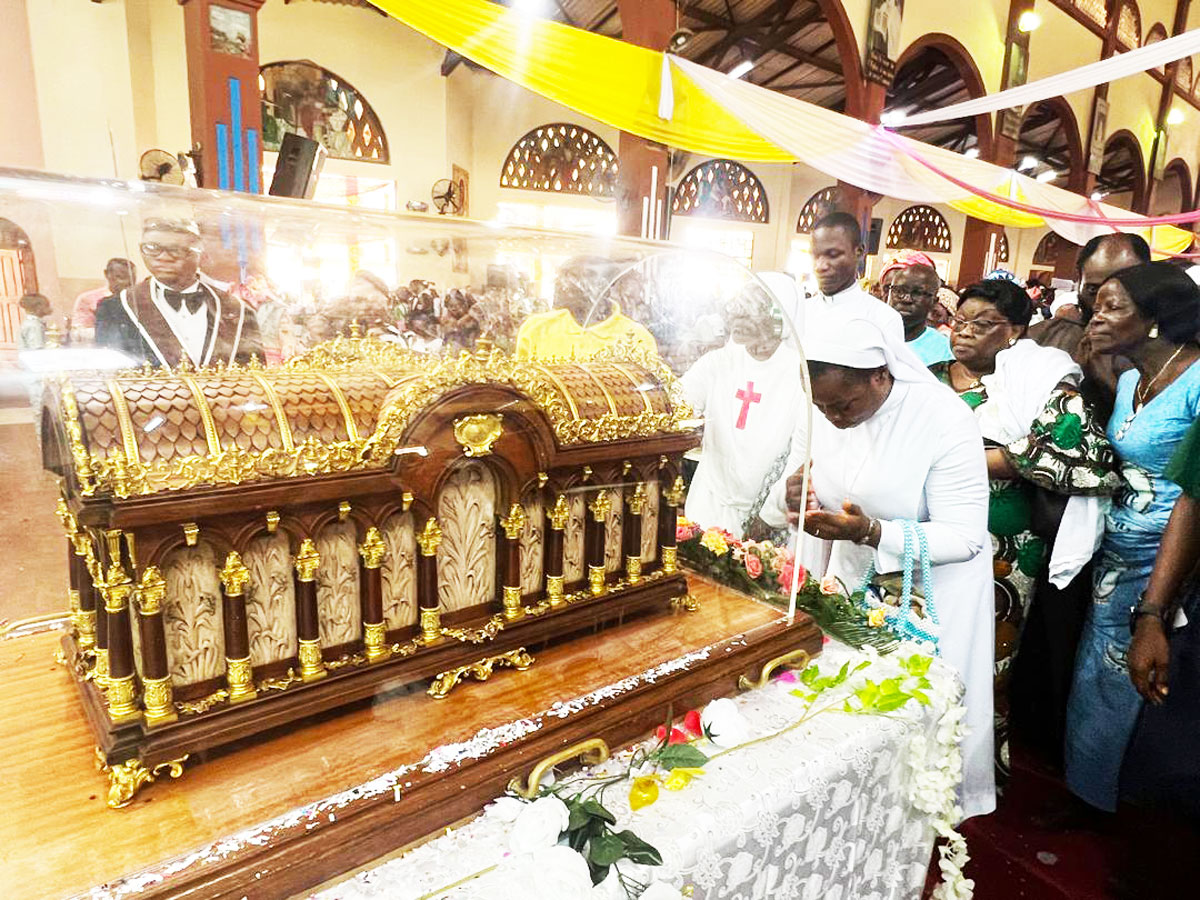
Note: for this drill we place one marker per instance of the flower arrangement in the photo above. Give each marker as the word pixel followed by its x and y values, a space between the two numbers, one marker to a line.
pixel 764 570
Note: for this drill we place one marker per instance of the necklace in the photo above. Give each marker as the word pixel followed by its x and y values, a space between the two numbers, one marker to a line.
pixel 1139 395
pixel 972 385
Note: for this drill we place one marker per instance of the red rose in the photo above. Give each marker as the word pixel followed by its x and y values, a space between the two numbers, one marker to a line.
pixel 677 736
pixel 691 722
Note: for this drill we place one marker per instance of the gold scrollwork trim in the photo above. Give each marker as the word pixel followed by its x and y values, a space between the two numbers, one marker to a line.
pixel 79 453
pixel 591 752
pixel 796 659
pixel 285 428
pixel 481 670
pixel 127 778
pixel 476 434
pixel 125 422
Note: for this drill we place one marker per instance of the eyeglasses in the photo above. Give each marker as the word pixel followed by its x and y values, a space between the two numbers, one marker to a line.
pixel 977 326
pixel 900 293
pixel 1088 290
pixel 159 250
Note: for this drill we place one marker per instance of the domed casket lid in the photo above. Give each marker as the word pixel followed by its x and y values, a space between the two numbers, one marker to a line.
pixel 346 405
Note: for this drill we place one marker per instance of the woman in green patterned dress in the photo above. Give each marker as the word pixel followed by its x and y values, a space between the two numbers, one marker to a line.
pixel 1049 462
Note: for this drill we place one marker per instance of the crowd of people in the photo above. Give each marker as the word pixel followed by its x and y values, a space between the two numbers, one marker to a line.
pixel 1047 463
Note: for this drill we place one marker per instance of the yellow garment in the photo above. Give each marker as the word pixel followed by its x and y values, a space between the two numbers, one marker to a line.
pixel 556 334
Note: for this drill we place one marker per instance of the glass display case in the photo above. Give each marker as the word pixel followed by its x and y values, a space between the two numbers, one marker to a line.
pixel 285 442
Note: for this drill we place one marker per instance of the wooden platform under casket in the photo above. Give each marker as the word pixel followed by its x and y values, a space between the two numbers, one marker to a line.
pixel 292 809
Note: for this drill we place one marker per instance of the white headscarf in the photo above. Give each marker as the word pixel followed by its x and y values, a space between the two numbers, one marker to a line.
pixel 1025 376
pixel 859 343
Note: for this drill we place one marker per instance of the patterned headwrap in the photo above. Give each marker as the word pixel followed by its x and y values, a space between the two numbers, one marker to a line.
pixel 948 299
pixel 1003 275
pixel 906 259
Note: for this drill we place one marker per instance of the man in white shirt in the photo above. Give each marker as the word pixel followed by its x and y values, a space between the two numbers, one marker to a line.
pixel 837 250
pixel 177 313
pixel 749 393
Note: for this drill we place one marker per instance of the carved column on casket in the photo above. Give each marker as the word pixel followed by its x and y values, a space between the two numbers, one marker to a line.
pixel 373 550
pixel 429 540
pixel 556 517
pixel 668 512
pixel 238 672
pixel 631 534
pixel 308 628
pixel 593 539
pixel 81 569
pixel 510 552
pixel 156 677
pixel 118 589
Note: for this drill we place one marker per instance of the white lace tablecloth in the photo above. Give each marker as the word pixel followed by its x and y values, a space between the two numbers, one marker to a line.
pixel 830 810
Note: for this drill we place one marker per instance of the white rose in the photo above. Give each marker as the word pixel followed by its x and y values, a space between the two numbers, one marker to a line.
pixel 724 724
pixel 660 890
pixel 556 871
pixel 538 825
pixel 506 809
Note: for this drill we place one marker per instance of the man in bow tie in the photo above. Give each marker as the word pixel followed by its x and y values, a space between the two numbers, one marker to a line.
pixel 176 313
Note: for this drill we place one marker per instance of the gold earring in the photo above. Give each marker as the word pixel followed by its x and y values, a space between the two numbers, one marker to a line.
pixel 1153 332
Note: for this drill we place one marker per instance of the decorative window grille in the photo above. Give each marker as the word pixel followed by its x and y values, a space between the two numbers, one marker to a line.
pixel 721 189
pixel 818 206
pixel 563 159
pixel 919 228
pixel 1095 10
pixel 1129 26
pixel 1002 249
pixel 304 99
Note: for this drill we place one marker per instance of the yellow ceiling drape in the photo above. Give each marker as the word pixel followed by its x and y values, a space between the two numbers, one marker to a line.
pixel 707 112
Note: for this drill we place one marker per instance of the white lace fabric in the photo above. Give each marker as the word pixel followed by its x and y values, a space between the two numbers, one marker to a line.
pixel 845 806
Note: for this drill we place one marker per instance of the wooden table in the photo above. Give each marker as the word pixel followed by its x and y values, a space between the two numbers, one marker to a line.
pixel 58 838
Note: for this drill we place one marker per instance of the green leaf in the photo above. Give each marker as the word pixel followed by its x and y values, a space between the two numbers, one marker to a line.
pixel 868 694
pixel 674 756
pixel 810 674
pixel 917 665
pixel 846 707
pixel 842 675
pixel 579 815
pixel 599 873
pixel 889 686
pixel 921 697
pixel 891 702
pixel 638 851
pixel 593 808
pixel 862 665
pixel 605 849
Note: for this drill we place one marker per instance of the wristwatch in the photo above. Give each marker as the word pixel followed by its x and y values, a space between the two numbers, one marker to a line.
pixel 1138 611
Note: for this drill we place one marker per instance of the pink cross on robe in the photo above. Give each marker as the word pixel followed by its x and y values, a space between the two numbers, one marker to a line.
pixel 747 397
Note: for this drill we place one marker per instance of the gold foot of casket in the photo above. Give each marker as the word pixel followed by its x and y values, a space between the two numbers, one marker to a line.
pixel 480 670
pixel 685 602
pixel 127 778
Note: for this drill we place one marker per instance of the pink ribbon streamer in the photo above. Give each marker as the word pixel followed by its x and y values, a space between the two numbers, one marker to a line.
pixel 1140 222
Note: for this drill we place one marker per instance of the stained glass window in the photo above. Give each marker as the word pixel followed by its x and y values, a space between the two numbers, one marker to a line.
pixel 721 189
pixel 1183 76
pixel 1002 249
pixel 304 99
pixel 561 158
pixel 1049 248
pixel 819 205
pixel 919 228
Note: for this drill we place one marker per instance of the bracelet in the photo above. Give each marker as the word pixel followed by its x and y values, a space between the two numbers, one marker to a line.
pixel 873 528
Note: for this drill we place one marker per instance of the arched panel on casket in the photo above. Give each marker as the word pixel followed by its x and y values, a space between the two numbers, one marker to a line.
pixel 399 576
pixel 192 615
pixel 270 599
pixel 466 510
pixel 338 586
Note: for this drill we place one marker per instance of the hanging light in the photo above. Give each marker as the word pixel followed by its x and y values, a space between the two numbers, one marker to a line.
pixel 1175 116
pixel 742 68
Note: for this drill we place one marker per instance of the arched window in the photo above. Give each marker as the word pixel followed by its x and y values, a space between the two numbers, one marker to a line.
pixel 1002 249
pixel 1049 249
pixel 819 205
pixel 1095 10
pixel 1156 33
pixel 302 98
pixel 563 159
pixel 919 228
pixel 1129 26
pixel 721 189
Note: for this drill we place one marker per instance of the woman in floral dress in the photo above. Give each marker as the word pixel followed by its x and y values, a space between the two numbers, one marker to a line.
pixel 1048 461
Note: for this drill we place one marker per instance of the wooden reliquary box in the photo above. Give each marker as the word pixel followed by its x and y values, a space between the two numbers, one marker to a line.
pixel 250 546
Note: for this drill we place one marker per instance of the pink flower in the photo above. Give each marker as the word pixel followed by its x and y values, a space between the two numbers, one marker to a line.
pixel 830 585
pixel 785 576
pixel 691 722
pixel 754 566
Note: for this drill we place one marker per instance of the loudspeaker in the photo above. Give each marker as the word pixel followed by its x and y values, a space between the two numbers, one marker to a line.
pixel 873 236
pixel 297 168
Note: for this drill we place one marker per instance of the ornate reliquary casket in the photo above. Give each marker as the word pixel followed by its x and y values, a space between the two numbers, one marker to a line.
pixel 250 546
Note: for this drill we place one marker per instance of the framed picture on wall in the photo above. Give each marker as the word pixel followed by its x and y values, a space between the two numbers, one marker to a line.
pixel 230 30
pixel 1099 135
pixel 883 39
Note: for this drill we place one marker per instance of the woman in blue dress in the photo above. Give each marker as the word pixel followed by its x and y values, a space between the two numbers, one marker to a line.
pixel 1149 314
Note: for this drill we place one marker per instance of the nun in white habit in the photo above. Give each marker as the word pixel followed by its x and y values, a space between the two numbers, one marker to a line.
pixel 893 444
